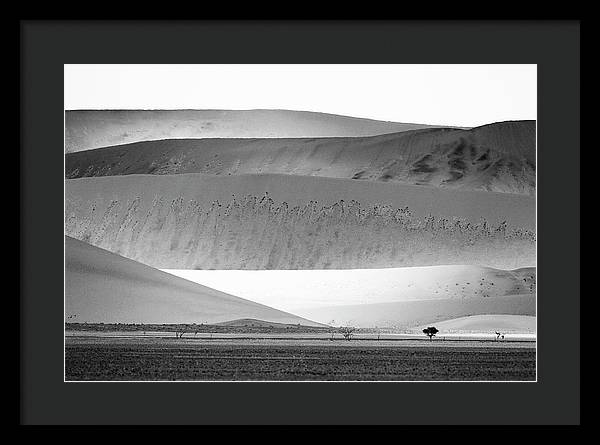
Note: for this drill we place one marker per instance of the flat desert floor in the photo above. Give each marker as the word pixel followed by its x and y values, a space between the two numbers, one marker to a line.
pixel 89 358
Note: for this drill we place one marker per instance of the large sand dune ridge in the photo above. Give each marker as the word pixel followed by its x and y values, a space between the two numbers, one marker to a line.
pixel 87 129
pixel 497 157
pixel 172 222
pixel 103 287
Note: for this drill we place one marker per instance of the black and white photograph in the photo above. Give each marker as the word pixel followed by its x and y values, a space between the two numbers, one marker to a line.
pixel 300 222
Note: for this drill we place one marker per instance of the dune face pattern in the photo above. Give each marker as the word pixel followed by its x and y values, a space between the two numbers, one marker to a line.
pixel 101 286
pixel 161 228
pixel 88 129
pixel 497 157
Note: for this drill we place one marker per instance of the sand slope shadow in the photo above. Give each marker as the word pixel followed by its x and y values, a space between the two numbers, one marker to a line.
pixel 101 286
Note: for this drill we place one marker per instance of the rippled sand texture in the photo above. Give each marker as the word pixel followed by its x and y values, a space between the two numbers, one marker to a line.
pixel 171 222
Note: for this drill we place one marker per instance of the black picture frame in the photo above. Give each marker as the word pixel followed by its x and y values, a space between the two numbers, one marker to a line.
pixel 47 45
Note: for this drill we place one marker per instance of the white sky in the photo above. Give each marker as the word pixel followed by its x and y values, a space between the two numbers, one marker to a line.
pixel 459 95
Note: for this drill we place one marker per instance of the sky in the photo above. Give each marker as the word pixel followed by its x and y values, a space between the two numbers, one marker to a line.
pixel 457 95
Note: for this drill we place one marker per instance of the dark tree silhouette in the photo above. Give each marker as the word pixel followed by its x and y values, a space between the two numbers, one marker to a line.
pixel 430 332
pixel 180 331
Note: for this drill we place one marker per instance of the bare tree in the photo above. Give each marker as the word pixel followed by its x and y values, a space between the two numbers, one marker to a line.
pixel 347 332
pixel 180 331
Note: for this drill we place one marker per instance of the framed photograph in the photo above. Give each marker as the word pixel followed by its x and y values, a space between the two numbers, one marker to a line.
pixel 360 228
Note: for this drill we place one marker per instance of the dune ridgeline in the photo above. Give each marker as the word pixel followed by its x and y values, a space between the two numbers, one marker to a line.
pixel 88 129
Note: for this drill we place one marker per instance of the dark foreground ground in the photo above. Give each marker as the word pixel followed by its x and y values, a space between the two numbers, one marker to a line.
pixel 252 359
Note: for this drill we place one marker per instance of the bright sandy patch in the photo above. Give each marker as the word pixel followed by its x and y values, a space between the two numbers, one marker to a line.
pixel 481 323
pixel 291 290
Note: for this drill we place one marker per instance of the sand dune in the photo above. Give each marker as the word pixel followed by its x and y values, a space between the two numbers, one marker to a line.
pixel 171 222
pixel 251 322
pixel 411 314
pixel 87 129
pixel 290 290
pixel 497 157
pixel 103 287
pixel 488 323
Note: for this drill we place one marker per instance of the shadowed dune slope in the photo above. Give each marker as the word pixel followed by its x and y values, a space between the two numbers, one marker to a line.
pixel 103 287
pixel 171 222
pixel 87 129
pixel 410 314
pixel 497 157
